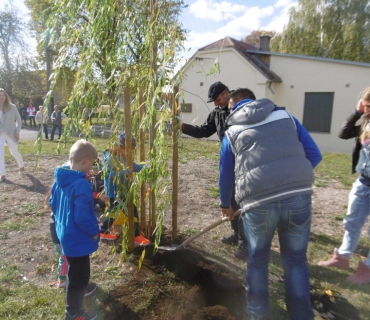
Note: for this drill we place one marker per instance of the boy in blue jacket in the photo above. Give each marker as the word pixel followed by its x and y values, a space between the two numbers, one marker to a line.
pixel 76 224
pixel 116 185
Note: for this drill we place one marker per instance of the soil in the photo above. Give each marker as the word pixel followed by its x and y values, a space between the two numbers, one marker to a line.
pixel 203 281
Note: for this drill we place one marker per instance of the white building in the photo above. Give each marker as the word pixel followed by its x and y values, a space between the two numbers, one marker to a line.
pixel 319 92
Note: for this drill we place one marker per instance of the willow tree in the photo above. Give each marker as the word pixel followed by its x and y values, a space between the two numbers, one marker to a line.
pixel 117 44
pixel 337 29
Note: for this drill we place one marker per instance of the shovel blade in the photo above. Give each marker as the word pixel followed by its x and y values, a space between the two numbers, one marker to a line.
pixel 172 248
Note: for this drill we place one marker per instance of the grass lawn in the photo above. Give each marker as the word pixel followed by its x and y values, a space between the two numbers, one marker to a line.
pixel 20 299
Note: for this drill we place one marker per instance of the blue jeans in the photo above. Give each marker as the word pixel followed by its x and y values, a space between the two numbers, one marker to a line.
pixel 292 219
pixel 357 213
pixel 55 126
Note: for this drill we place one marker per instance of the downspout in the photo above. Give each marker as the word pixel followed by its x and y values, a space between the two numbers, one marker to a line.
pixel 270 83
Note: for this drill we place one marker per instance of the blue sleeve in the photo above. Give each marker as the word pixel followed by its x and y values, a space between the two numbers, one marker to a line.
pixel 311 150
pixel 227 175
pixel 109 177
pixel 137 167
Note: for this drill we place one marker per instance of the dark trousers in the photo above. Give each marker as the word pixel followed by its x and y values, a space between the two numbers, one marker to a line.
pixel 24 119
pixel 55 126
pixel 32 119
pixel 45 126
pixel 78 276
pixel 108 221
pixel 46 130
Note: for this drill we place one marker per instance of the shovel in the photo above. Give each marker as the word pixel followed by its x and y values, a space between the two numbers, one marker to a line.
pixel 194 236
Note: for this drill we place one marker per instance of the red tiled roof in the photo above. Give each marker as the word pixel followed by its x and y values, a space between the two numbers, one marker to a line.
pixel 242 48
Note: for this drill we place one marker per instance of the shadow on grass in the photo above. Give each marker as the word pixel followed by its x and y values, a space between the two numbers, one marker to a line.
pixel 329 241
pixel 36 186
pixel 110 307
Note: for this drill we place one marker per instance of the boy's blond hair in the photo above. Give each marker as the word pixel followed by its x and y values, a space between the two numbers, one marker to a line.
pixel 82 149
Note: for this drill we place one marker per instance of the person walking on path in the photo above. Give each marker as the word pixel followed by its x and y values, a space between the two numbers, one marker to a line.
pixel 42 120
pixel 218 93
pixel 358 203
pixel 10 126
pixel 31 111
pixel 56 118
pixel 273 157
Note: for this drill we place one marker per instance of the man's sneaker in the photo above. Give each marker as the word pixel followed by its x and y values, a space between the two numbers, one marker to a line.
pixel 81 315
pixel 141 241
pixel 231 239
pixel 241 252
pixel 90 289
pixel 62 284
pixel 108 236
pixel 361 276
pixel 336 261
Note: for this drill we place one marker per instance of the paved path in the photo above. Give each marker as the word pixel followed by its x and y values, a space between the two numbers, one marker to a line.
pixel 30 133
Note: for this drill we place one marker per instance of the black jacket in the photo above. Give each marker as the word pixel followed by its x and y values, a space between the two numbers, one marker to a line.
pixel 349 130
pixel 215 122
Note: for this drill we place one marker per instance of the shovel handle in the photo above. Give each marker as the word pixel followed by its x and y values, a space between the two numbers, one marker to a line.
pixel 211 226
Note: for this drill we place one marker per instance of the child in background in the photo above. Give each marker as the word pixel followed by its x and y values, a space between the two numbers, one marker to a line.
pixel 76 224
pixel 115 185
pixel 62 263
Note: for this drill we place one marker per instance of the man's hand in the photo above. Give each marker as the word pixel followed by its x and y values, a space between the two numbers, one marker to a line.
pixel 178 119
pixel 16 136
pixel 103 197
pixel 360 107
pixel 96 237
pixel 228 212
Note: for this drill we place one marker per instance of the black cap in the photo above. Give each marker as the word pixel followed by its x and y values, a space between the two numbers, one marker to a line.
pixel 215 90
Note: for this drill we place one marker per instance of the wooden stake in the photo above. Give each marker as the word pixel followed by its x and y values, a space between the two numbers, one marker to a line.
pixel 153 61
pixel 129 162
pixel 175 162
pixel 142 159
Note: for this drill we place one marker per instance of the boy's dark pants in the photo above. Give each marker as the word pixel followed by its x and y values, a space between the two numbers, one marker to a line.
pixel 78 276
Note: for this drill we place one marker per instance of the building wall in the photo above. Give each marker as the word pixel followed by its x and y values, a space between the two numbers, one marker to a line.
pixel 299 76
pixel 305 75
pixel 235 72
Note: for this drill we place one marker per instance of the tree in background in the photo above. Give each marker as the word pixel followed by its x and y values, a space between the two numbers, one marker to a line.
pixel 338 29
pixel 254 37
pixel 16 66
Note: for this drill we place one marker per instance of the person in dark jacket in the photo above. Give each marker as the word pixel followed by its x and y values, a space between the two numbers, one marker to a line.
pixel 350 130
pixel 269 157
pixel 218 93
pixel 56 119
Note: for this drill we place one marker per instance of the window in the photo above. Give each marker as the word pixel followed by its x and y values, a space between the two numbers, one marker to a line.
pixel 318 110
pixel 186 107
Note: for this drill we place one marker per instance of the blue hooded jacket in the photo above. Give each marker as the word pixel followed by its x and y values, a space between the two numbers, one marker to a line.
pixel 115 174
pixel 73 206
